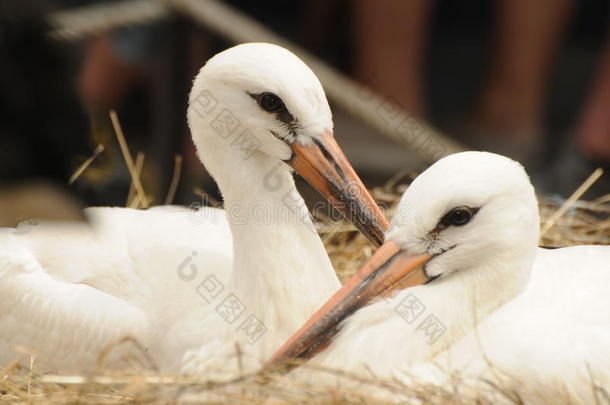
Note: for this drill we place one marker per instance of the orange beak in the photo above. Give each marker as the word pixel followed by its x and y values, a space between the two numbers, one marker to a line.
pixel 325 167
pixel 389 269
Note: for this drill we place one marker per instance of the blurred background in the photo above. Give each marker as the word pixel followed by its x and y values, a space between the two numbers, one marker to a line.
pixel 528 79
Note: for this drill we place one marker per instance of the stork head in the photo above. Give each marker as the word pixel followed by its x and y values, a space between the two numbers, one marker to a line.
pixel 268 91
pixel 470 213
pixel 468 210
pixel 260 100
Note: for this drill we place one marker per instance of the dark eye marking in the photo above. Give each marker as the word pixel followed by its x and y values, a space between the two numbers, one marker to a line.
pixel 458 216
pixel 271 103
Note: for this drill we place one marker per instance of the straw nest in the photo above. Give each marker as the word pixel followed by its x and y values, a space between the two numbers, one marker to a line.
pixel 579 222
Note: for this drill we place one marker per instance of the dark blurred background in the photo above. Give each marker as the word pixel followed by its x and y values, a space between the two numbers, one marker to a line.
pixel 529 79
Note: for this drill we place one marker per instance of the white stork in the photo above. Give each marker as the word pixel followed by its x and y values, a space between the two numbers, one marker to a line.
pixel 476 295
pixel 203 282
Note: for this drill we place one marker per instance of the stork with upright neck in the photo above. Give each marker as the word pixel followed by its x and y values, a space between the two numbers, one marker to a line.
pixel 256 113
pixel 473 288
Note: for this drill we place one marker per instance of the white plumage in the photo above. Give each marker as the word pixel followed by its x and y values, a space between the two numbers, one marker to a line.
pixel 68 290
pixel 199 282
pixel 534 321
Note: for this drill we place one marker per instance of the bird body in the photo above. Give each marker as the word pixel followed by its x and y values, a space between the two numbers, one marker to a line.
pixel 71 289
pixel 492 307
pixel 555 331
pixel 196 286
pixel 550 342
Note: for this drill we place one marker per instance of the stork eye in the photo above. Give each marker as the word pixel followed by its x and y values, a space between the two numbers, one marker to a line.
pixel 458 216
pixel 271 103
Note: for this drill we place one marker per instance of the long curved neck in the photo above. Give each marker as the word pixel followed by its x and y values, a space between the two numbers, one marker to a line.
pixel 456 305
pixel 281 271
pixel 475 294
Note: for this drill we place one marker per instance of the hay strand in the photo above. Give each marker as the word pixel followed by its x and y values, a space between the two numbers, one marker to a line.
pixel 132 199
pixel 171 193
pixel 135 178
pixel 571 200
pixel 81 169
